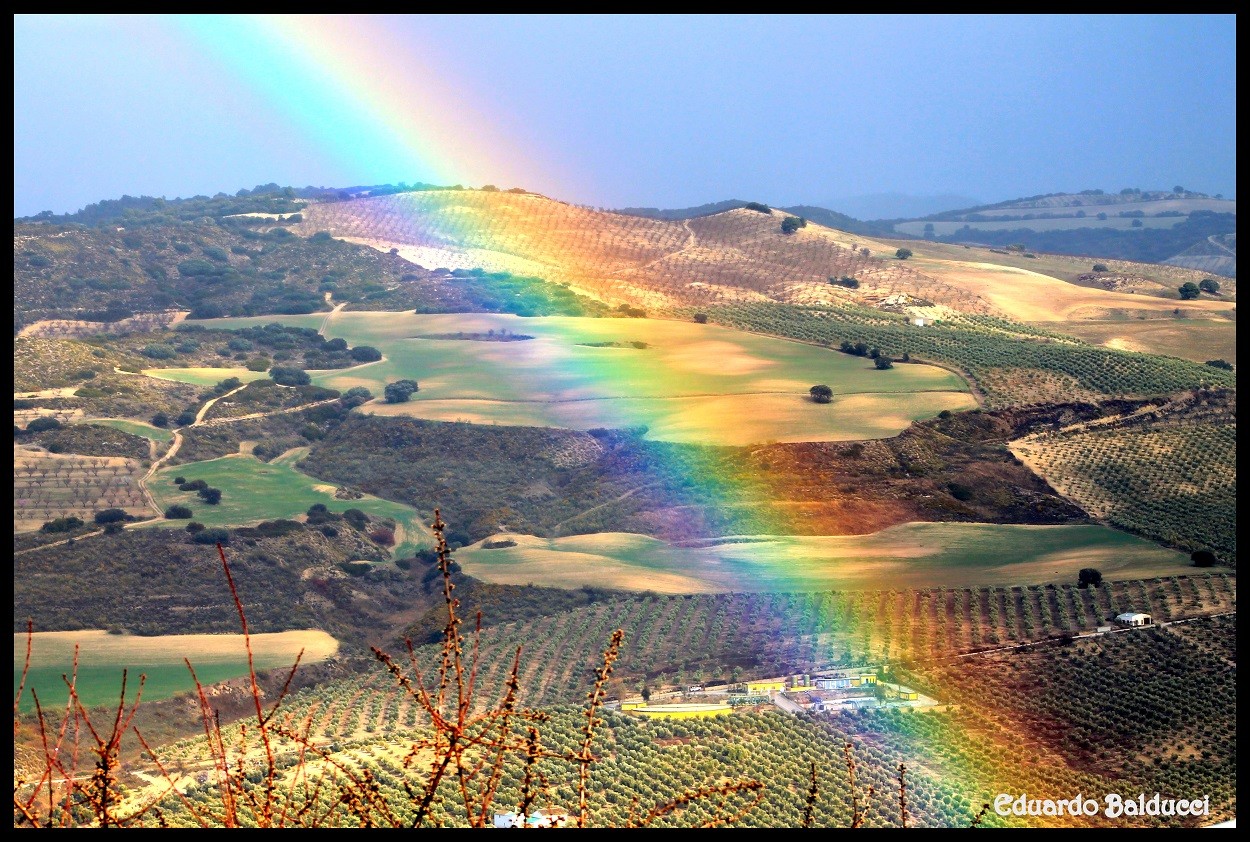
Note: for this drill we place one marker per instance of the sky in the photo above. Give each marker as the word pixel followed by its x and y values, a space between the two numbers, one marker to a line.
pixel 632 111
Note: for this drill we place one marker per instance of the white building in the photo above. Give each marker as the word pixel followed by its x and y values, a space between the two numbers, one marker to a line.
pixel 1134 618
pixel 545 817
pixel 920 322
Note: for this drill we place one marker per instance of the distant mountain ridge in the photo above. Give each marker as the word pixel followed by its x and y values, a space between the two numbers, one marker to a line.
pixel 1178 226
pixel 814 213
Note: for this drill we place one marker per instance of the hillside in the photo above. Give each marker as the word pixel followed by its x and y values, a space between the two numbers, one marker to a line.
pixel 738 255
pixel 1180 227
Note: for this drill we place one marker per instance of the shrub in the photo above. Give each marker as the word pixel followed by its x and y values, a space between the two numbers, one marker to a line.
pixel 1089 577
pixel 110 516
pixel 193 485
pixel 1203 558
pixel 758 207
pixel 1209 286
pixel 1224 364
pixel 43 423
pixel 215 535
pixel 400 391
pixel 61 524
pixel 821 394
pixel 185 418
pixel 193 527
pixel 845 281
pixel 700 318
pixel 903 254
pixel 160 419
pixel 211 496
pixel 178 513
pixel 356 518
pixel 258 364
pixel 289 376
pixel 1188 290
pixel 792 223
pixel 159 352
pixel 356 396
pixel 366 354
pixel 1100 267
pixel 883 362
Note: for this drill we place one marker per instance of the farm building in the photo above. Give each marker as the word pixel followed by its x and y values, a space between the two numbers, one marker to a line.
pixel 688 711
pixel 539 818
pixel 921 322
pixel 763 688
pixel 1134 618
pixel 844 682
pixel 848 703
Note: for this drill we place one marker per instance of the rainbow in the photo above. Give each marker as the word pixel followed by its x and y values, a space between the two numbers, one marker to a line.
pixel 357 92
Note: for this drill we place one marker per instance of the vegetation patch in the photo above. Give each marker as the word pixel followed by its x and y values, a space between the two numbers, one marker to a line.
pixel 102 655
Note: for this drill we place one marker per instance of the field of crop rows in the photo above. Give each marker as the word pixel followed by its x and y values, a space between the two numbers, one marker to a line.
pixel 1011 366
pixel 52 485
pixel 1172 483
pixel 734 256
pixel 681 640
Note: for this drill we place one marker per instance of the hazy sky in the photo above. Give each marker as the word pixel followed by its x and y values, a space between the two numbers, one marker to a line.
pixel 664 112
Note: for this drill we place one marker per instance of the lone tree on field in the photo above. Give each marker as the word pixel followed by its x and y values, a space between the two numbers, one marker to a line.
pixel 1203 558
pixel 1209 286
pixel 1089 577
pixel 42 423
pixel 400 391
pixel 106 516
pixel 821 394
pixel 1188 290
pixel 701 318
pixel 792 223
pixel 882 362
pixel 1100 267
pixel 903 254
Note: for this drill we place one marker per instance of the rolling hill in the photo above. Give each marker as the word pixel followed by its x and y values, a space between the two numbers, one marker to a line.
pixel 1179 227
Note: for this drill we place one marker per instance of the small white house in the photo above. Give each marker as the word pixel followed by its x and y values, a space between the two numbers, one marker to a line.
pixel 919 322
pixel 1134 618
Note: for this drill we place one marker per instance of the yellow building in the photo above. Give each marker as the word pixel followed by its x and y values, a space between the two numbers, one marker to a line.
pixel 763 688
pixel 690 711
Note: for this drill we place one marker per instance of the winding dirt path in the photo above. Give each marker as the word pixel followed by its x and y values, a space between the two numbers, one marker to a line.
pixel 325 323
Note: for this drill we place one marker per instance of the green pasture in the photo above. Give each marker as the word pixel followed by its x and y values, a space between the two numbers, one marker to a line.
pixel 252 491
pixel 913 555
pixel 103 656
pixel 204 376
pixel 693 383
pixel 137 428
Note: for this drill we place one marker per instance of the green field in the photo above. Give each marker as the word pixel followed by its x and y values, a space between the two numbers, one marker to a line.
pixel 253 491
pixel 694 383
pixel 204 376
pixel 137 428
pixel 102 656
pixel 913 555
